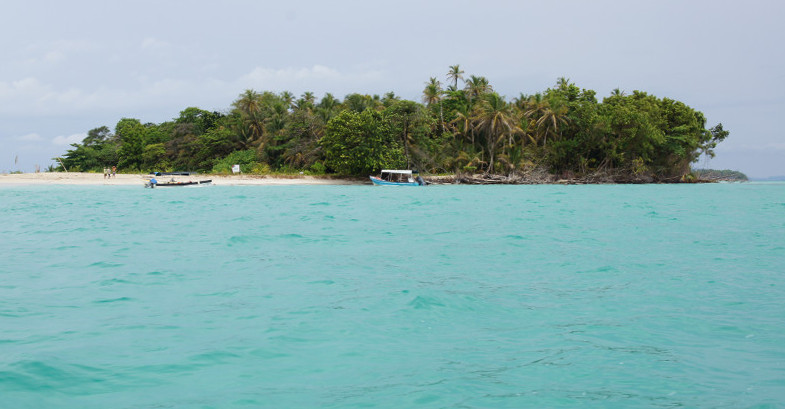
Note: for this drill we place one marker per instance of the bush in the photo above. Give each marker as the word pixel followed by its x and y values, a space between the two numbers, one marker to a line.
pixel 318 168
pixel 247 160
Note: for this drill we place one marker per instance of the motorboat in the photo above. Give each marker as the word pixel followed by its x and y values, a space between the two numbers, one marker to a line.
pixel 392 177
pixel 153 182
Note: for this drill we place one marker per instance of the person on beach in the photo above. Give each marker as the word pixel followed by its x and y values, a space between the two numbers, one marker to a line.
pixel 106 173
pixel 114 171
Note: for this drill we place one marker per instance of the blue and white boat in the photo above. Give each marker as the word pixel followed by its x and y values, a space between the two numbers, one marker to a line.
pixel 390 177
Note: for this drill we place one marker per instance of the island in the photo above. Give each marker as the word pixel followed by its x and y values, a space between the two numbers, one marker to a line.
pixel 464 131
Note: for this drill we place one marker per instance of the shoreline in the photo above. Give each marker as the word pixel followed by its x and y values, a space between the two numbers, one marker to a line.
pixel 124 179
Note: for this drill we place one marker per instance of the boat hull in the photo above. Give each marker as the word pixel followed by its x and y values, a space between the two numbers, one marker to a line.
pixel 380 182
pixel 189 183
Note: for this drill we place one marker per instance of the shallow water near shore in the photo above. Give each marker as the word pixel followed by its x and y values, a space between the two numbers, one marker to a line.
pixel 357 296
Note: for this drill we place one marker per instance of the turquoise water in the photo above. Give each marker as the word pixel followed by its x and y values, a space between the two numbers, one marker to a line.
pixel 355 296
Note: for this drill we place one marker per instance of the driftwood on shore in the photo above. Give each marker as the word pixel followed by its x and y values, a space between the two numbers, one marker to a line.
pixel 539 176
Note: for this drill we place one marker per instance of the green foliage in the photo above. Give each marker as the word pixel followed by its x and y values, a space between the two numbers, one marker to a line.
pixel 715 174
pixel 133 138
pixel 97 151
pixel 247 160
pixel 361 144
pixel 318 168
pixel 464 128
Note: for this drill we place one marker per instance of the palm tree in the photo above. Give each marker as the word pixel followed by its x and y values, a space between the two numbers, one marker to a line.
pixel 327 107
pixel 287 98
pixel 390 98
pixel 548 122
pixel 250 124
pixel 462 124
pixel 248 102
pixel 305 102
pixel 407 112
pixel 455 73
pixel 476 86
pixel 433 94
pixel 495 120
pixel 308 97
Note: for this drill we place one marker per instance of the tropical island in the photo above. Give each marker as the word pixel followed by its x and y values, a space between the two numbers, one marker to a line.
pixel 464 130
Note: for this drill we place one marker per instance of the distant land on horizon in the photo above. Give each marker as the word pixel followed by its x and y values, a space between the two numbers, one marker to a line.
pixel 780 178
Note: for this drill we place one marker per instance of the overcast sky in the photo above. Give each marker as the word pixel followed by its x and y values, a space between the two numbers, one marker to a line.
pixel 70 66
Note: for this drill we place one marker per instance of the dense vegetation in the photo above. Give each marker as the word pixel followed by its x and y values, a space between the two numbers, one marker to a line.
pixel 715 174
pixel 470 129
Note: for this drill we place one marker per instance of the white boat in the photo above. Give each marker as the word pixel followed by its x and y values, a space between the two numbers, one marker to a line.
pixel 392 177
pixel 153 182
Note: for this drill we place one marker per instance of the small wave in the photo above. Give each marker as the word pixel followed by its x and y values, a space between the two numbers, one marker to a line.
pixel 237 240
pixel 106 264
pixel 325 282
pixel 425 303
pixel 113 281
pixel 121 299
pixel 37 376
pixel 214 357
pixel 515 237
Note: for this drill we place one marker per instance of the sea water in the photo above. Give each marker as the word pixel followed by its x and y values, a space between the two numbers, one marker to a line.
pixel 377 297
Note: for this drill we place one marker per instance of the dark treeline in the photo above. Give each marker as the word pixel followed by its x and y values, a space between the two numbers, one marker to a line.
pixel 720 174
pixel 465 127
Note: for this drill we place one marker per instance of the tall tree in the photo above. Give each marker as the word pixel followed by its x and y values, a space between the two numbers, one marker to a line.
pixel 455 73
pixel 132 136
pixel 495 120
pixel 432 94
pixel 477 86
pixel 360 144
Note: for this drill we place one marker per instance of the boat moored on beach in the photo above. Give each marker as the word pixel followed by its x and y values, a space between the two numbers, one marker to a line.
pixel 392 177
pixel 153 182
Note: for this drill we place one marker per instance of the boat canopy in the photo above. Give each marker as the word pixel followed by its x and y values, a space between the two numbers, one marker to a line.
pixel 403 172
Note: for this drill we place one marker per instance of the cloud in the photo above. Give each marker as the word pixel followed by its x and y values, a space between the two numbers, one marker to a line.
pixel 22 87
pixel 315 78
pixel 32 137
pixel 61 140
pixel 261 74
pixel 151 43
pixel 41 96
pixel 57 51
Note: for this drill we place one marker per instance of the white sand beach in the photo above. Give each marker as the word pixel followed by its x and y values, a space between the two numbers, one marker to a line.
pixel 77 178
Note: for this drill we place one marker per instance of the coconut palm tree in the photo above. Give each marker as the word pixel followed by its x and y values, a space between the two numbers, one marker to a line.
pixel 288 98
pixel 551 117
pixel 305 102
pixel 462 124
pixel 476 86
pixel 495 120
pixel 250 121
pixel 432 94
pixel 455 73
pixel 248 102
pixel 390 98
pixel 327 107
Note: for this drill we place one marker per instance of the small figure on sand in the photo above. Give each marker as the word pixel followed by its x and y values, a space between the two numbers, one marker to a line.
pixel 106 173
pixel 114 171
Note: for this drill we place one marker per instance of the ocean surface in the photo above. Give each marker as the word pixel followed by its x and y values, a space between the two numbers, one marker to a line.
pixel 645 296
